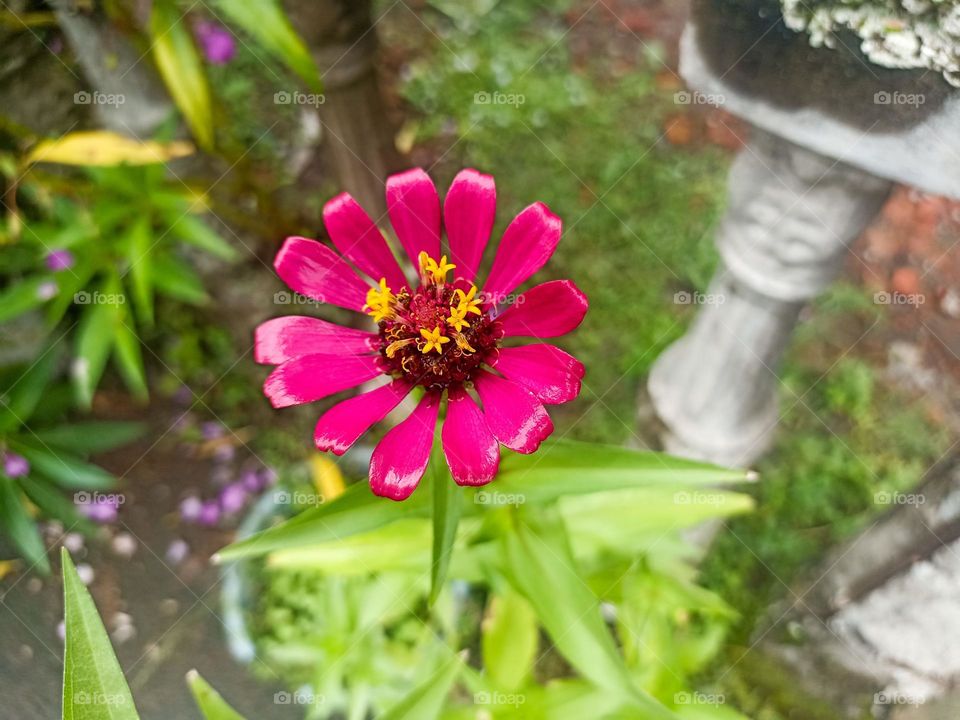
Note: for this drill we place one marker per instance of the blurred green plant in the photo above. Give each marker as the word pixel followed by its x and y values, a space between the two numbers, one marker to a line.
pixel 103 245
pixel 349 608
pixel 45 455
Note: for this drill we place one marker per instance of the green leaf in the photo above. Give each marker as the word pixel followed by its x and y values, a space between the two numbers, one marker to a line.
pixel 129 357
pixel 180 67
pixel 53 503
pixel 195 231
pixel 356 511
pixel 209 701
pixel 447 496
pixel 139 246
pixel 176 279
pixel 93 684
pixel 95 338
pixel 64 469
pixel 425 702
pixel 540 566
pixel 510 639
pixel 266 23
pixel 21 297
pixel 564 467
pixel 21 399
pixel 90 438
pixel 18 526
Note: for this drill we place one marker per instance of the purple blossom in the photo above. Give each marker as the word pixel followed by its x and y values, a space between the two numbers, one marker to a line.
pixel 251 481
pixel 209 513
pixel 268 476
pixel 211 430
pixel 15 466
pixel 232 498
pixel 60 260
pixel 178 551
pixel 101 510
pixel 217 43
pixel 47 289
pixel 191 508
pixel 224 453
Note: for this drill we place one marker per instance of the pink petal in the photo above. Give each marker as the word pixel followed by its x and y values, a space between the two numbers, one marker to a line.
pixel 286 338
pixel 414 208
pixel 472 453
pixel 343 424
pixel 545 370
pixel 516 417
pixel 313 377
pixel 468 213
pixel 546 310
pixel 401 458
pixel 357 238
pixel 316 271
pixel 527 244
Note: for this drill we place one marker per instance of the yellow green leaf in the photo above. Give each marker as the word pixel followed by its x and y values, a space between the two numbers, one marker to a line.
pixel 105 148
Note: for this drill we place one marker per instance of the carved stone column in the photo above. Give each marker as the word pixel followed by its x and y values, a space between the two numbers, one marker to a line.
pixel 791 216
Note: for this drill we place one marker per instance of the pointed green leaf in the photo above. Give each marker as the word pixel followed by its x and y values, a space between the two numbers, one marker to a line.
pixel 356 511
pixel 129 356
pixel 21 399
pixel 266 22
pixel 539 558
pixel 447 496
pixel 17 525
pixel 425 702
pixel 209 701
pixel 564 467
pixel 176 279
pixel 510 639
pixel 90 438
pixel 53 503
pixel 21 297
pixel 64 469
pixel 181 68
pixel 139 247
pixel 93 684
pixel 95 338
pixel 196 232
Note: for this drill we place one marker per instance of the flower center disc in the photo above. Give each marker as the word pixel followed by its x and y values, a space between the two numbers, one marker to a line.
pixel 438 335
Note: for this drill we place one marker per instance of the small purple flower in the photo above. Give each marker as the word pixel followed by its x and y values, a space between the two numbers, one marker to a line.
pixel 211 430
pixel 224 453
pixel 47 289
pixel 232 498
pixel 15 466
pixel 60 260
pixel 101 510
pixel 251 481
pixel 268 477
pixel 209 513
pixel 178 551
pixel 217 43
pixel 191 508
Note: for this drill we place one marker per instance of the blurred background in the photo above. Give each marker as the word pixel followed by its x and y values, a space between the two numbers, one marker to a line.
pixel 153 155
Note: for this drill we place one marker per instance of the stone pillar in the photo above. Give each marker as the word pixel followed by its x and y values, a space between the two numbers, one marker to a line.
pixel 791 217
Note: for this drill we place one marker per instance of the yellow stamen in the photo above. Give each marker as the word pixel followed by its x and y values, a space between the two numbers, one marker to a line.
pixel 468 301
pixel 380 302
pixel 394 346
pixel 435 340
pixel 431 270
pixel 457 319
pixel 463 344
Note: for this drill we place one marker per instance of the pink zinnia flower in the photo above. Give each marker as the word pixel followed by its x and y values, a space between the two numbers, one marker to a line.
pixel 440 333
